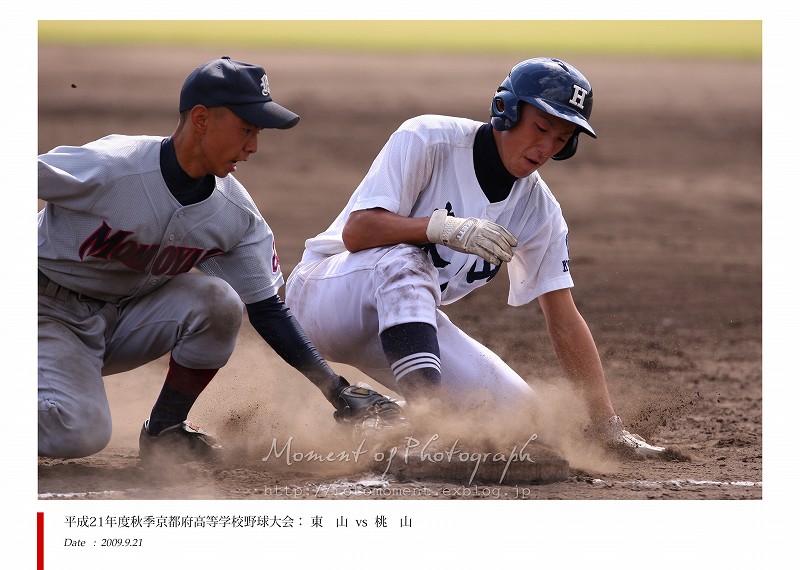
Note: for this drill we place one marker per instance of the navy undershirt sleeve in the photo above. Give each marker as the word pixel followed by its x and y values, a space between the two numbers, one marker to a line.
pixel 273 320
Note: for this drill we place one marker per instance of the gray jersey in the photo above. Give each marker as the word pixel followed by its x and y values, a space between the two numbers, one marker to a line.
pixel 112 230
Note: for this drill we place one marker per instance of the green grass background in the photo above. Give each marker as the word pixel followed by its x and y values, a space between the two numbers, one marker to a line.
pixel 736 39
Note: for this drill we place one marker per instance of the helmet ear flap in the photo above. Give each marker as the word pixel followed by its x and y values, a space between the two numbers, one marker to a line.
pixel 569 149
pixel 504 110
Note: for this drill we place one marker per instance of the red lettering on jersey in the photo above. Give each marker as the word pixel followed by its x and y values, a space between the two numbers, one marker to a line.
pixel 186 258
pixel 212 253
pixel 101 243
pixel 171 260
pixel 135 255
pixel 164 261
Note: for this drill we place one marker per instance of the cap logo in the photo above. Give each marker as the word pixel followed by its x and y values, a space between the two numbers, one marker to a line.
pixel 265 86
pixel 578 96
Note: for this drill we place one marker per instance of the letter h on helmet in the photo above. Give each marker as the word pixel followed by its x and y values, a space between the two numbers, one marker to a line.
pixel 552 86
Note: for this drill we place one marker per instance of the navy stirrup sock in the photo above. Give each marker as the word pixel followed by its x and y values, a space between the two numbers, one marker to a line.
pixel 179 393
pixel 412 350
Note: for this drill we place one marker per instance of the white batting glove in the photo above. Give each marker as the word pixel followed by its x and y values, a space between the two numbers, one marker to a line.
pixel 490 241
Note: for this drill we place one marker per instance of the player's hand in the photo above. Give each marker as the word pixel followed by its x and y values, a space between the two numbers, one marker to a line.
pixel 490 241
pixel 613 433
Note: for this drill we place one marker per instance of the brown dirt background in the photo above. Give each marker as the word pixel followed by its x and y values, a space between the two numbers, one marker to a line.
pixel 665 237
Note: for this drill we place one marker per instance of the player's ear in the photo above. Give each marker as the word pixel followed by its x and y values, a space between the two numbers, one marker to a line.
pixel 199 116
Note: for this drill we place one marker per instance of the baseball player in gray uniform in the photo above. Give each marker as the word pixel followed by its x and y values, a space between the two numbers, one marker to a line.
pixel 446 202
pixel 126 219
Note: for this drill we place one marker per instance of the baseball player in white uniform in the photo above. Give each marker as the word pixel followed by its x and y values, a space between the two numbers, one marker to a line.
pixel 446 202
pixel 126 219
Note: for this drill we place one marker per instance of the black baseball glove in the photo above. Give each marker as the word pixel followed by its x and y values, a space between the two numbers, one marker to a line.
pixel 368 409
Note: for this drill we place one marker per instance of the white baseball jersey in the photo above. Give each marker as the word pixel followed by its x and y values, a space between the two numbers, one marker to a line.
pixel 112 230
pixel 427 164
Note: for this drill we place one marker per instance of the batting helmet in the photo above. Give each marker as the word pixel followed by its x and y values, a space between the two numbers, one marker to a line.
pixel 552 86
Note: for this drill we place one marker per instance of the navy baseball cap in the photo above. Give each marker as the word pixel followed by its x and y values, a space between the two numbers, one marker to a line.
pixel 242 87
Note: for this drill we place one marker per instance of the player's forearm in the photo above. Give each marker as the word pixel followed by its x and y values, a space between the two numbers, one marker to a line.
pixel 577 353
pixel 376 227
pixel 278 327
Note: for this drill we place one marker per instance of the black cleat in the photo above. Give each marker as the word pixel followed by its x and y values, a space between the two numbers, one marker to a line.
pixel 180 443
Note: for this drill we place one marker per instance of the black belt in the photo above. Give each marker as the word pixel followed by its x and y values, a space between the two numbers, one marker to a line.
pixel 59 292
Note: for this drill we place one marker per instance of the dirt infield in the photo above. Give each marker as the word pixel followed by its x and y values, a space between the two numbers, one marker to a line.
pixel 665 239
